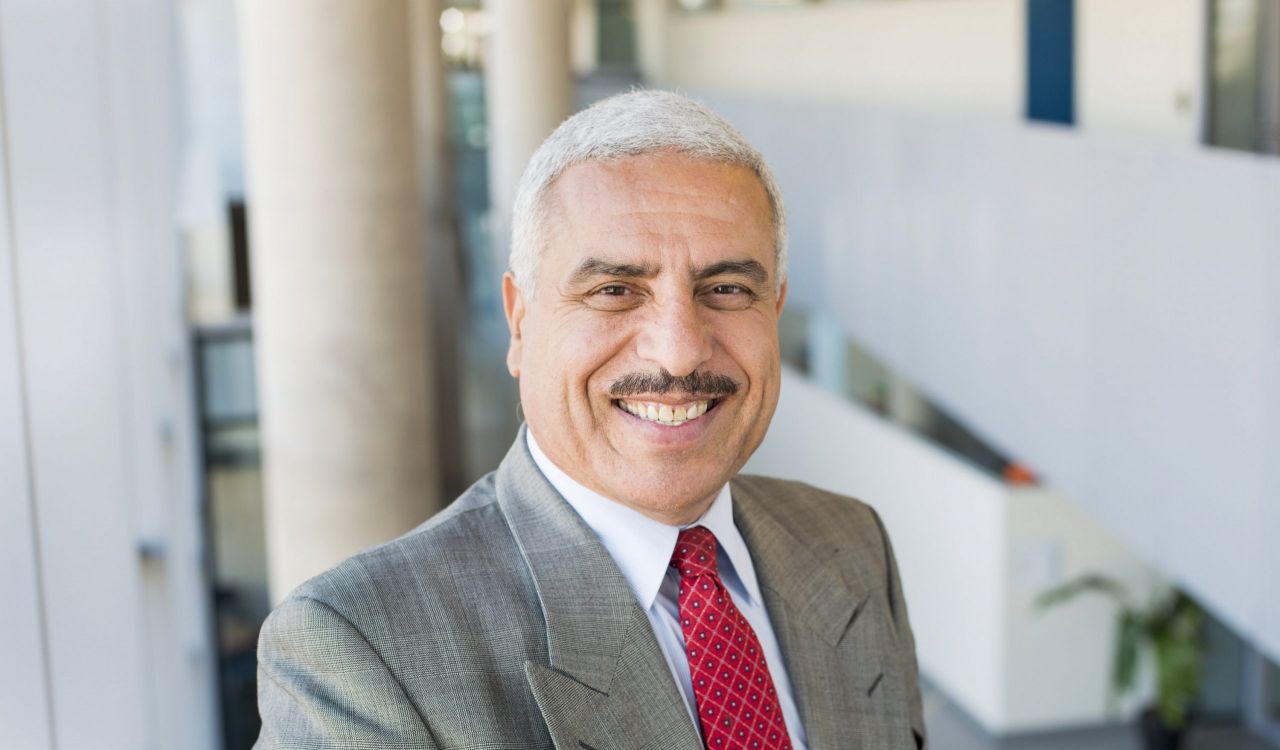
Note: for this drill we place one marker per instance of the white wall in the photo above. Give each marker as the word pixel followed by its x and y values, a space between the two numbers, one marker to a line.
pixel 210 52
pixel 106 459
pixel 1140 67
pixel 138 64
pixel 61 228
pixel 1103 309
pixel 25 716
pixel 958 55
pixel 973 554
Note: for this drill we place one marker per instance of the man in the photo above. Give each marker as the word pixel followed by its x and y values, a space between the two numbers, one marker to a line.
pixel 615 583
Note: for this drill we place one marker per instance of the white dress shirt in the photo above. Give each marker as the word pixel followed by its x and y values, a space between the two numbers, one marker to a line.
pixel 642 548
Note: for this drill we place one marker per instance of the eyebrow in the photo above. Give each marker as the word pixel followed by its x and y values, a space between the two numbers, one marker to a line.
pixel 593 267
pixel 748 268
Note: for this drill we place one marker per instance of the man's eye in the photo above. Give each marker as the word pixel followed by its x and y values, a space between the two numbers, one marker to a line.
pixel 612 297
pixel 729 297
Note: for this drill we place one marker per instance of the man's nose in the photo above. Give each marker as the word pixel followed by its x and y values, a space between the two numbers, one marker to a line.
pixel 676 338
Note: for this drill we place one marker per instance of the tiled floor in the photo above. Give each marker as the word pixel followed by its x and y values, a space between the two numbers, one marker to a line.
pixel 951 729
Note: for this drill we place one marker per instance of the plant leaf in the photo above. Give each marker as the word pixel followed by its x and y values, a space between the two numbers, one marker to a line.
pixel 1089 582
pixel 1180 652
pixel 1125 662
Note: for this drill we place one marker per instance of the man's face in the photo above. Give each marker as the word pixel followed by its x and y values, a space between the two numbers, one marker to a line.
pixel 655 300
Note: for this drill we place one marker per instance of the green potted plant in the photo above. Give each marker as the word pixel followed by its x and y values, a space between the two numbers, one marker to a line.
pixel 1172 629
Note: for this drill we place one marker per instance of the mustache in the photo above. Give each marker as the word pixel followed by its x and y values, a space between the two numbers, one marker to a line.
pixel 662 382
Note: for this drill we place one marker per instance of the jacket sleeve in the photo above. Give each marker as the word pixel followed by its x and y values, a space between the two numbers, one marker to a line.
pixel 322 686
pixel 906 641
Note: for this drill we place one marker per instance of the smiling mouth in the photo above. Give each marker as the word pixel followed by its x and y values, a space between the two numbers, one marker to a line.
pixel 669 415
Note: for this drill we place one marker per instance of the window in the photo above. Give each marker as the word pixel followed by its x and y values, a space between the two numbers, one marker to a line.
pixel 1244 75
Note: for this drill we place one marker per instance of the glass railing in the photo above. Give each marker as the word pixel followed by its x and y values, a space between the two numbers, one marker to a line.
pixel 816 346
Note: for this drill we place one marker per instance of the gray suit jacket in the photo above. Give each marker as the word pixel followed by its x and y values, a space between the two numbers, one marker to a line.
pixel 502 622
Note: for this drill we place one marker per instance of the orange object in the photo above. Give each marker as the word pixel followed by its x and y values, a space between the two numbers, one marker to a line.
pixel 1019 474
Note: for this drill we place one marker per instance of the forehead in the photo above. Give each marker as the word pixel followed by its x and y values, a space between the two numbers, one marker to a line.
pixel 665 204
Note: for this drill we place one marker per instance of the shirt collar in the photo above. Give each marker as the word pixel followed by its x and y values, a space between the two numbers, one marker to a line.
pixel 640 545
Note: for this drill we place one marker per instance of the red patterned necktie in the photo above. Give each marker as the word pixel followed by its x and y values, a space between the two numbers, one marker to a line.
pixel 737 704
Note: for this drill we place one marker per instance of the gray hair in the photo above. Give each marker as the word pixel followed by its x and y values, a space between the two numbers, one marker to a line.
pixel 630 124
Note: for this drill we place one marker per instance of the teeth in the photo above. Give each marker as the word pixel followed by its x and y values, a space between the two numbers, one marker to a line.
pixel 667 415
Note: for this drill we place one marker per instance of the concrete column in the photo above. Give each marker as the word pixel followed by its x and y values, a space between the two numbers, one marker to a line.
pixel 584 37
pixel 341 318
pixel 528 93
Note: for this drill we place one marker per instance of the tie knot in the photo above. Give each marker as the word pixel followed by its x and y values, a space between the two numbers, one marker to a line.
pixel 695 552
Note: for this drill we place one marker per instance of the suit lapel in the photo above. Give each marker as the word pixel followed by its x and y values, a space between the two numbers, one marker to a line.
pixel 607 684
pixel 831 649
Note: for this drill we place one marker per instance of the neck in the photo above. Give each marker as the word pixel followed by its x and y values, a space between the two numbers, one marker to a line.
pixel 676 516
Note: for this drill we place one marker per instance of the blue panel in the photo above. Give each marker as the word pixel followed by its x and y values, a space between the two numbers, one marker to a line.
pixel 1051 60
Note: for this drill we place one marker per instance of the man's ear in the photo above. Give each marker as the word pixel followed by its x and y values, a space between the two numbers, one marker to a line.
pixel 513 304
pixel 782 298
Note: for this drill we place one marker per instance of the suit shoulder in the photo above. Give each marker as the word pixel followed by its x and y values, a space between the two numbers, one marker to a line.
pixel 801 496
pixel 471 534
pixel 812 512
